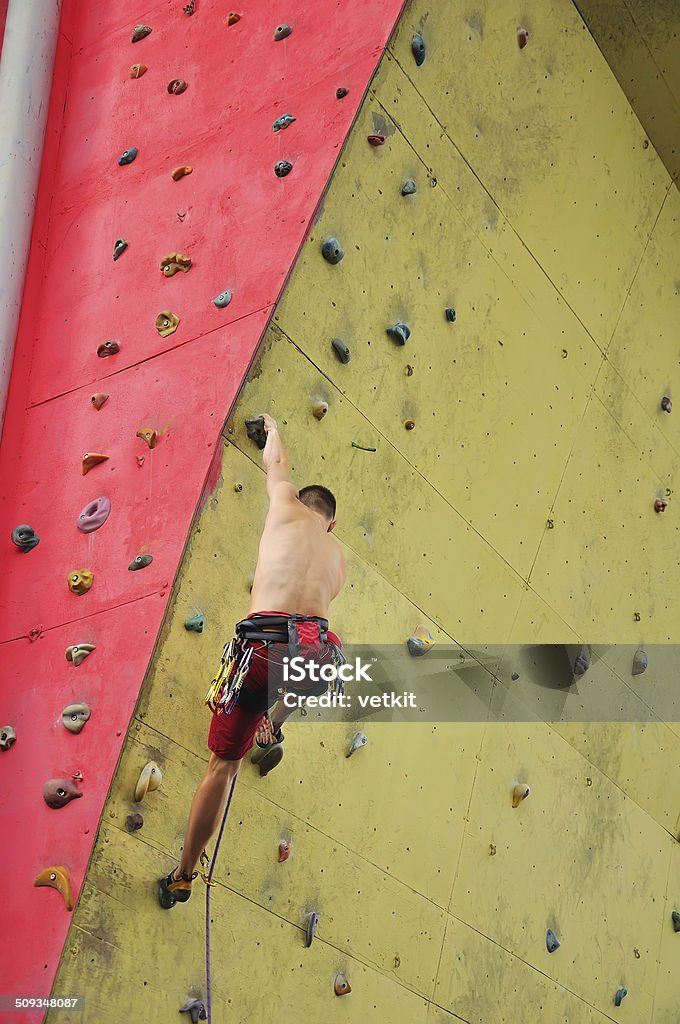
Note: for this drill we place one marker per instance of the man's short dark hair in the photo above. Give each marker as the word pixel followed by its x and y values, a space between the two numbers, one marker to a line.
pixel 320 499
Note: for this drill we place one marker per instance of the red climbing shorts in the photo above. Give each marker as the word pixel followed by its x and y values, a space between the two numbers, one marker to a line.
pixel 231 735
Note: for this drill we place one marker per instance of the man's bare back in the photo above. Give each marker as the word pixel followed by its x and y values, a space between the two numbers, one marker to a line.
pixel 300 567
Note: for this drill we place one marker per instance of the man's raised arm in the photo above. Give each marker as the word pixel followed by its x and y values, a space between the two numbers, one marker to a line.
pixel 274 457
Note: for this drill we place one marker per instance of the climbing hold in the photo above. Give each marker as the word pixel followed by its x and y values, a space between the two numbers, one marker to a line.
pixel 450 314
pixel 341 350
pixel 283 122
pixel 522 37
pixel 409 370
pixel 8 737
pixel 514 676
pixel 134 822
pixel 666 404
pixel 640 663
pixel 196 1008
pixel 137 70
pixel 25 538
pixel 375 140
pixel 150 779
pixel 519 793
pixel 140 32
pixel 256 432
pixel 108 348
pixel 409 424
pixel 332 251
pixel 363 447
pixel 551 941
pixel 59 792
pixel 233 17
pixel 190 7
pixel 195 624
pixel 282 168
pixel 282 32
pixel 582 661
pixel 420 642
pixel 660 505
pixel 166 323
pixel 675 916
pixel 341 93
pixel 312 925
pixel 80 582
pixel 238 487
pixel 58 878
pixel 418 49
pixel 172 264
pixel 98 400
pixel 621 994
pixel 341 986
pixel 79 652
pixel 74 716
pixel 127 156
pixel 94 515
pixel 179 172
pixel 148 435
pixel 284 850
pixel 223 300
pixel 140 562
pixel 176 86
pixel 399 333
pixel 119 247
pixel 90 460
pixel 409 188
pixel 320 409
pixel 360 740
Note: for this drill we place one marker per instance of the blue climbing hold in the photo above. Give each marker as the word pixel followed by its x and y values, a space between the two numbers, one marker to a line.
pixel 332 251
pixel 341 350
pixel 223 300
pixel 450 314
pixel 551 941
pixel 283 122
pixel 195 624
pixel 419 49
pixel 409 187
pixel 128 156
pixel 620 996
pixel 399 333
pixel 282 168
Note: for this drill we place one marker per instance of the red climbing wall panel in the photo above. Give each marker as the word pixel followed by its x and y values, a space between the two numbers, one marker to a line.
pixel 242 226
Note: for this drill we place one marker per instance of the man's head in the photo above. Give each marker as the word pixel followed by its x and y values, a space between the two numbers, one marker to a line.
pixel 320 500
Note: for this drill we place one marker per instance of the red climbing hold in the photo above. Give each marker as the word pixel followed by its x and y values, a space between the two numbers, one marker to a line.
pixel 376 140
pixel 284 850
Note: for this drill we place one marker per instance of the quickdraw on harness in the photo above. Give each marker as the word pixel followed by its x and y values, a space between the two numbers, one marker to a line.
pixel 301 633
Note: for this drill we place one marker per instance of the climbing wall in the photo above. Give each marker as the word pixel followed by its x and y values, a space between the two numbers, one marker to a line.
pixel 126 366
pixel 496 478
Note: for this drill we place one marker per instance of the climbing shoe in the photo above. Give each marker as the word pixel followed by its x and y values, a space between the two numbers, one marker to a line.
pixel 172 890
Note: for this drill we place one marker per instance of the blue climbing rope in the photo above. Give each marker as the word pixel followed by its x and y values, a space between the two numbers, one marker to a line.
pixel 209 884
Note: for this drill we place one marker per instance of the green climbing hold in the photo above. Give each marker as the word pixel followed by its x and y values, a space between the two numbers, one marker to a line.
pixel 119 248
pixel 195 624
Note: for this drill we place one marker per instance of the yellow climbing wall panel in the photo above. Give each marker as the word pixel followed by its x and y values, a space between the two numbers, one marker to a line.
pixel 518 511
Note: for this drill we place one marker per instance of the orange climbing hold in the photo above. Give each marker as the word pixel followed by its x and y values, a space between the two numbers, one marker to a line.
pixel 341 986
pixel 57 878
pixel 233 17
pixel 320 409
pixel 98 400
pixel 80 582
pixel 92 459
pixel 166 323
pixel 519 793
pixel 172 264
pixel 137 70
pixel 284 850
pixel 180 172
pixel 149 435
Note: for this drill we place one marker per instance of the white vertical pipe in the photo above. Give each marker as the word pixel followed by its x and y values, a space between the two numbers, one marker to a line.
pixel 26 67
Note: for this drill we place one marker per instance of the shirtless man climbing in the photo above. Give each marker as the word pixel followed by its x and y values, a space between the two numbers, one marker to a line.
pixel 300 569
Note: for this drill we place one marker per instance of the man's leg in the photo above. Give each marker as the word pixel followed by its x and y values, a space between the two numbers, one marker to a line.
pixel 206 812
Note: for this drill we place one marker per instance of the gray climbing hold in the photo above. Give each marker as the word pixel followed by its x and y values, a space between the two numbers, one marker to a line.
pixel 282 32
pixel 283 122
pixel 675 916
pixel 640 662
pixel 418 49
pixel 666 404
pixel 140 562
pixel 74 717
pixel 332 251
pixel 8 737
pixel 127 156
pixel 620 996
pixel 119 248
pixel 25 538
pixel 450 314
pixel 360 740
pixel 515 676
pixel 312 925
pixel 256 432
pixel 282 168
pixel 197 1010
pixel 134 822
pixel 399 333
pixel 223 300
pixel 195 624
pixel 78 652
pixel 551 941
pixel 409 188
pixel 341 350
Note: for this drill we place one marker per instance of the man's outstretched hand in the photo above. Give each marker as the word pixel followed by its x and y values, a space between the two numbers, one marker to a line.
pixel 269 422
pixel 265 732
